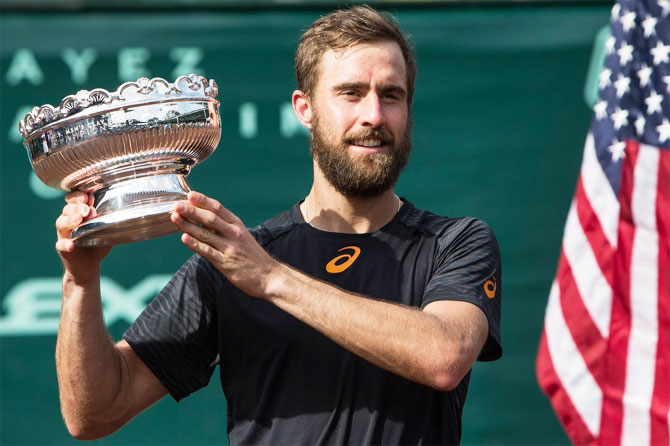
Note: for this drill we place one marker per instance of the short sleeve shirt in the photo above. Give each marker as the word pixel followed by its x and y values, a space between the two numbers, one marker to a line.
pixel 284 382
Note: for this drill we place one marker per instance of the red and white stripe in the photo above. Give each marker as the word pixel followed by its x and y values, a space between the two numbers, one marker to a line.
pixel 604 357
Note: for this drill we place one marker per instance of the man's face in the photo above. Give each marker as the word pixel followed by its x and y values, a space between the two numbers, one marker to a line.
pixel 360 125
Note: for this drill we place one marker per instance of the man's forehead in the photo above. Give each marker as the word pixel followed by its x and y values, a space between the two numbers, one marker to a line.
pixel 365 61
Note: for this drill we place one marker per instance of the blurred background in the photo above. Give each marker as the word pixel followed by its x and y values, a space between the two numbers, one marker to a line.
pixel 500 119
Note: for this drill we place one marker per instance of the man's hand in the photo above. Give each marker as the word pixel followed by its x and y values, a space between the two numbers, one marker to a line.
pixel 220 236
pixel 80 263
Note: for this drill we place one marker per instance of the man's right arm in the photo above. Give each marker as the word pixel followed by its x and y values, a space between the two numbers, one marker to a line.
pixel 102 386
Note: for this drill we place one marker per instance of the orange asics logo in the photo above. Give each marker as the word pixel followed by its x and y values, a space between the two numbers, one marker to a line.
pixel 490 287
pixel 345 260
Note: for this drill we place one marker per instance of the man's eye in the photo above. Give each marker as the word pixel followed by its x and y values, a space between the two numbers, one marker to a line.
pixel 392 95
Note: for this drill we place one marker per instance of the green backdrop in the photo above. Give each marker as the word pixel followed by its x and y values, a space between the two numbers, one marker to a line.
pixel 499 126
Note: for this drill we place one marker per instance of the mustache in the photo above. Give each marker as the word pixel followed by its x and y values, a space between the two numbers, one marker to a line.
pixel 377 133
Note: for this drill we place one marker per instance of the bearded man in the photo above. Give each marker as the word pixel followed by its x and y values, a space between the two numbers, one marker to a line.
pixel 353 317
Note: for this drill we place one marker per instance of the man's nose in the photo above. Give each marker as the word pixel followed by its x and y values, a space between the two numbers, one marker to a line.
pixel 371 112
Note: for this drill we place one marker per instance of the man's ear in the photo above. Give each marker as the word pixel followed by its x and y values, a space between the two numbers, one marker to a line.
pixel 302 108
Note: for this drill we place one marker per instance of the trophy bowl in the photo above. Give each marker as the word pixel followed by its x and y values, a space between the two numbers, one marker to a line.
pixel 131 149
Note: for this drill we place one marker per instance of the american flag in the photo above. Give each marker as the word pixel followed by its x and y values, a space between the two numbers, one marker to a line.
pixel 604 356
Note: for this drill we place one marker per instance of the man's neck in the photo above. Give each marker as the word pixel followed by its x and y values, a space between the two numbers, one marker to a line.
pixel 328 210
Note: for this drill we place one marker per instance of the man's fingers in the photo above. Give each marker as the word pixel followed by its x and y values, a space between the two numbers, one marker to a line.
pixel 64 226
pixel 200 247
pixel 201 217
pixel 77 197
pixel 77 208
pixel 203 234
pixel 66 223
pixel 64 245
pixel 74 213
pixel 203 201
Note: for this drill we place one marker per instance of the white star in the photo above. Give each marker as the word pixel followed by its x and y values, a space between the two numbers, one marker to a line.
pixel 639 125
pixel 609 45
pixel 617 149
pixel 663 131
pixel 604 78
pixel 622 85
pixel 649 25
pixel 644 73
pixel 666 79
pixel 661 53
pixel 625 54
pixel 653 103
pixel 665 4
pixel 615 11
pixel 628 21
pixel 620 118
pixel 601 109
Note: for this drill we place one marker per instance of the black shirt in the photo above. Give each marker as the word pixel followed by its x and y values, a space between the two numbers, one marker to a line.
pixel 285 383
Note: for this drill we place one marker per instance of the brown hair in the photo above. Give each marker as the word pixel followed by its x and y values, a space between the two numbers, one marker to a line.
pixel 343 29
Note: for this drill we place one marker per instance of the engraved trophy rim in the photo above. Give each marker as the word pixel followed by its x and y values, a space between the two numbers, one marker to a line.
pixel 143 91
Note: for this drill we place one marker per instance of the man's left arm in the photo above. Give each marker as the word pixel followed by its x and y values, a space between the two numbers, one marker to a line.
pixel 435 346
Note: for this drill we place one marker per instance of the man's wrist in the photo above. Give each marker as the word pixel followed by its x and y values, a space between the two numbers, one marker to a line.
pixel 91 279
pixel 81 298
pixel 278 281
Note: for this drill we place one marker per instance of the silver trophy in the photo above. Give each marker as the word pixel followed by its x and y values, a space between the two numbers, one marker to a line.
pixel 131 149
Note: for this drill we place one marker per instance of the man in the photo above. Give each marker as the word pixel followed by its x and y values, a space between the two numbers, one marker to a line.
pixel 351 318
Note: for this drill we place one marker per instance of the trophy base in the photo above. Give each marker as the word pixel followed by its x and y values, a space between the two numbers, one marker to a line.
pixel 127 226
pixel 132 210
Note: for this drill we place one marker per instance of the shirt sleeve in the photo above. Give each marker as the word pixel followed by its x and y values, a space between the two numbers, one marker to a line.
pixel 177 334
pixel 468 268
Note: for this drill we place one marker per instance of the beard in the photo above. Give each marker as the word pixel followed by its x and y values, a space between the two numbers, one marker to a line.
pixel 360 175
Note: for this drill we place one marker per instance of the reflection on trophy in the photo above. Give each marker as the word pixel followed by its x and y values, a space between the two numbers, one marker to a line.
pixel 131 149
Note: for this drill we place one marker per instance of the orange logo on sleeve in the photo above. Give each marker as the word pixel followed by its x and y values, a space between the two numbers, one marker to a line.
pixel 343 261
pixel 490 287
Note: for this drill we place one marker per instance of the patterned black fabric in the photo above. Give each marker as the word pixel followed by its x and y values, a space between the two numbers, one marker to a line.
pixel 284 382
